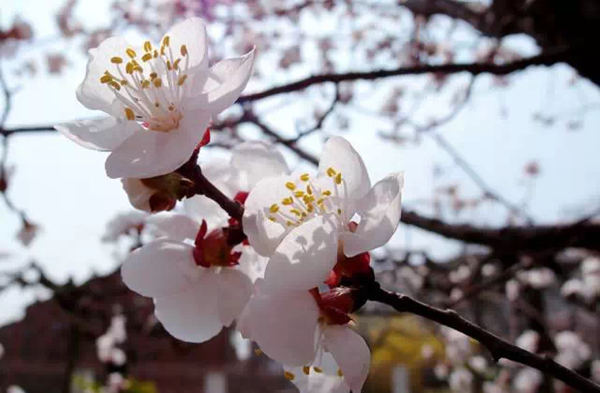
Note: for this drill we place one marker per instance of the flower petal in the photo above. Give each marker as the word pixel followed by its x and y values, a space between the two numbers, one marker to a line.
pixel 139 194
pixel 258 160
pixel 192 315
pixel 91 93
pixel 99 134
pixel 283 326
pixel 191 33
pixel 339 154
pixel 379 213
pixel 304 257
pixel 263 234
pixel 173 226
pixel 160 268
pixel 150 153
pixel 234 291
pixel 225 82
pixel 350 352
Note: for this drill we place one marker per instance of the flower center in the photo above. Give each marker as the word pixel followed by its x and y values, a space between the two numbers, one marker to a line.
pixel 306 200
pixel 151 86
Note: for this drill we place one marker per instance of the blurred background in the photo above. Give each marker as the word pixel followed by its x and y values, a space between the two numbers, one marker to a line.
pixel 491 108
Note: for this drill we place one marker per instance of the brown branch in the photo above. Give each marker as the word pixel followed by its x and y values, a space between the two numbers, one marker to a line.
pixel 497 346
pixel 543 59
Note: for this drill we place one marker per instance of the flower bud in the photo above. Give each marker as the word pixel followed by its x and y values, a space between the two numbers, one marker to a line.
pixel 157 193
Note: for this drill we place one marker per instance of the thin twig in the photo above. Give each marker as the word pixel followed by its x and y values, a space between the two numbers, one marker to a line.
pixel 498 347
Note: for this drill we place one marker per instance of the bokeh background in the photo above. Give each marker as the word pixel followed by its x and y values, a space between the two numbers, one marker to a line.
pixel 491 108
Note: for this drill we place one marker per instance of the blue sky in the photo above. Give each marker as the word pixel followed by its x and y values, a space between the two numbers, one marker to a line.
pixel 63 186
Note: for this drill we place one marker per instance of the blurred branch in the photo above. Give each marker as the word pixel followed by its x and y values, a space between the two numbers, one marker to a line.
pixel 543 59
pixel 498 347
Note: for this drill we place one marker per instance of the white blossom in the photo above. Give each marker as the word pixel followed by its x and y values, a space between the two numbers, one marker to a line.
pixel 527 380
pixel 302 222
pixel 529 340
pixel 461 380
pixel 595 370
pixel 159 100
pixel 572 350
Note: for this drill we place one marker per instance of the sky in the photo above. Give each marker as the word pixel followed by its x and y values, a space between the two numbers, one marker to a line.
pixel 63 187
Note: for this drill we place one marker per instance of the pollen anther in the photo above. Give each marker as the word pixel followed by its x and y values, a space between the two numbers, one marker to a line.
pixel 184 51
pixel 274 208
pixel 331 172
pixel 147 57
pixel 131 53
pixel 182 79
pixel 129 114
pixel 147 46
pixel 289 376
pixel 290 186
pixel 166 40
pixel 306 370
pixel 116 60
pixel 304 177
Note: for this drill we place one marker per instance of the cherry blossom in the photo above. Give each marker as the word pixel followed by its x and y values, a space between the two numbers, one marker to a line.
pixel 159 100
pixel 310 334
pixel 308 224
pixel 190 272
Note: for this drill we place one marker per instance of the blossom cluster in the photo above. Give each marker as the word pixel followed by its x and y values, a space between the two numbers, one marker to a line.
pixel 277 270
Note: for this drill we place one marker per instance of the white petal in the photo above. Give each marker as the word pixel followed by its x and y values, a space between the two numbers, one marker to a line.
pixel 252 264
pixel 263 234
pixel 191 33
pixel 91 93
pixel 258 160
pixel 173 226
pixel 317 382
pixel 234 291
pixel 192 315
pixel 379 214
pixel 151 153
pixel 104 134
pixel 339 154
pixel 226 81
pixel 160 268
pixel 304 257
pixel 351 353
pixel 139 195
pixel 201 208
pixel 284 326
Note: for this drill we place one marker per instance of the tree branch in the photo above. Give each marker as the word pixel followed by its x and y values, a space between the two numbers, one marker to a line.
pixel 498 347
pixel 543 59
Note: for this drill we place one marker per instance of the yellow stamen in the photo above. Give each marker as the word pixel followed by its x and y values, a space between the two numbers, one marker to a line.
pixel 289 376
pixel 258 352
pixel 116 60
pixel 169 66
pixel 147 46
pixel 308 198
pixel 304 177
pixel 106 79
pixel 182 79
pixel 153 75
pixel 145 84
pixel 271 218
pixel 310 208
pixel 129 68
pixel 326 193
pixel 138 69
pixel 147 57
pixel 155 53
pixel 318 369
pixel 340 373
pixel 166 40
pixel 131 53
pixel 296 212
pixel 290 186
pixel 306 370
pixel 124 82
pixel 162 50
pixel 274 208
pixel 129 114
pixel 157 82
pixel 287 201
pixel 116 85
pixel 309 190
pixel 176 64
pixel 184 51
pixel 338 179
pixel 289 223
pixel 339 211
pixel 299 194
pixel 320 201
